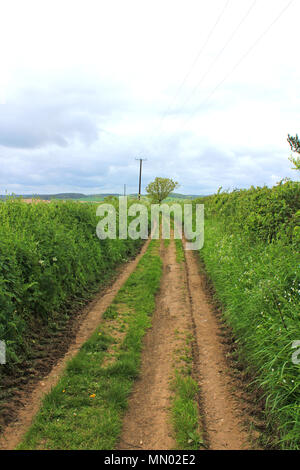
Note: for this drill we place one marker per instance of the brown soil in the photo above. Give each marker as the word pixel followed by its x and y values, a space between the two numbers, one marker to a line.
pixel 46 348
pixel 34 201
pixel 147 422
pixel 221 410
pixel 182 305
pixel 27 399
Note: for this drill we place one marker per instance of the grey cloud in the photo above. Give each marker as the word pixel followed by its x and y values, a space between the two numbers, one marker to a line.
pixel 55 113
pixel 56 137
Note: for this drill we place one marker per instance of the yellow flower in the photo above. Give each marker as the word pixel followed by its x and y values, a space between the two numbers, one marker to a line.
pixel 93 395
pixel 63 391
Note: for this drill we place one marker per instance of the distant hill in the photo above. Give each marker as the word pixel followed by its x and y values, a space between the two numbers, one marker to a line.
pixel 175 196
pixel 46 197
pixel 89 197
pixel 64 196
pixel 184 196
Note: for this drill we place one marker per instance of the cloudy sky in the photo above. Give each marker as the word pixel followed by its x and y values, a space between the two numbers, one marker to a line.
pixel 206 91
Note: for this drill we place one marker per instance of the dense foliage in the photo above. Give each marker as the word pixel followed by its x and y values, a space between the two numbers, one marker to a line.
pixel 260 213
pixel 251 253
pixel 50 256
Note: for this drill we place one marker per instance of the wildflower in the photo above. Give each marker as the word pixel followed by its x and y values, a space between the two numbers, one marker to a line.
pixel 41 261
pixel 54 259
pixel 63 391
pixel 93 395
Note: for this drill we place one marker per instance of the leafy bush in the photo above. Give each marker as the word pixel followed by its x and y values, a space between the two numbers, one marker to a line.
pixel 262 213
pixel 50 256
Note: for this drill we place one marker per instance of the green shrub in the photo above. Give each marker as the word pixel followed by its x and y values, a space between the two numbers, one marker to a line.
pixel 50 257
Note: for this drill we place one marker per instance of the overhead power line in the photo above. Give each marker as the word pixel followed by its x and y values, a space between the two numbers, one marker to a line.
pixel 200 52
pixel 219 55
pixel 240 61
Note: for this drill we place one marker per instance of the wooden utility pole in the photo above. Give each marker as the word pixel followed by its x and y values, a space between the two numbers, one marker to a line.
pixel 140 178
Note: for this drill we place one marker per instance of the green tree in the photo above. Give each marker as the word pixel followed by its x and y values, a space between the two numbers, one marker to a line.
pixel 160 188
pixel 295 147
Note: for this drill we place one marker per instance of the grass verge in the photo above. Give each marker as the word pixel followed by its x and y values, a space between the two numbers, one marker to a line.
pixel 185 415
pixel 184 408
pixel 85 409
pixel 179 250
pixel 257 284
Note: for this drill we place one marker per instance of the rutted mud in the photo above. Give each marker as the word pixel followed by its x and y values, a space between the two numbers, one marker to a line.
pixel 222 412
pixel 182 304
pixel 147 424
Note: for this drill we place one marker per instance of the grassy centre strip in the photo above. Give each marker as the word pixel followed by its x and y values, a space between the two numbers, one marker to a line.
pixel 85 409
pixel 184 408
